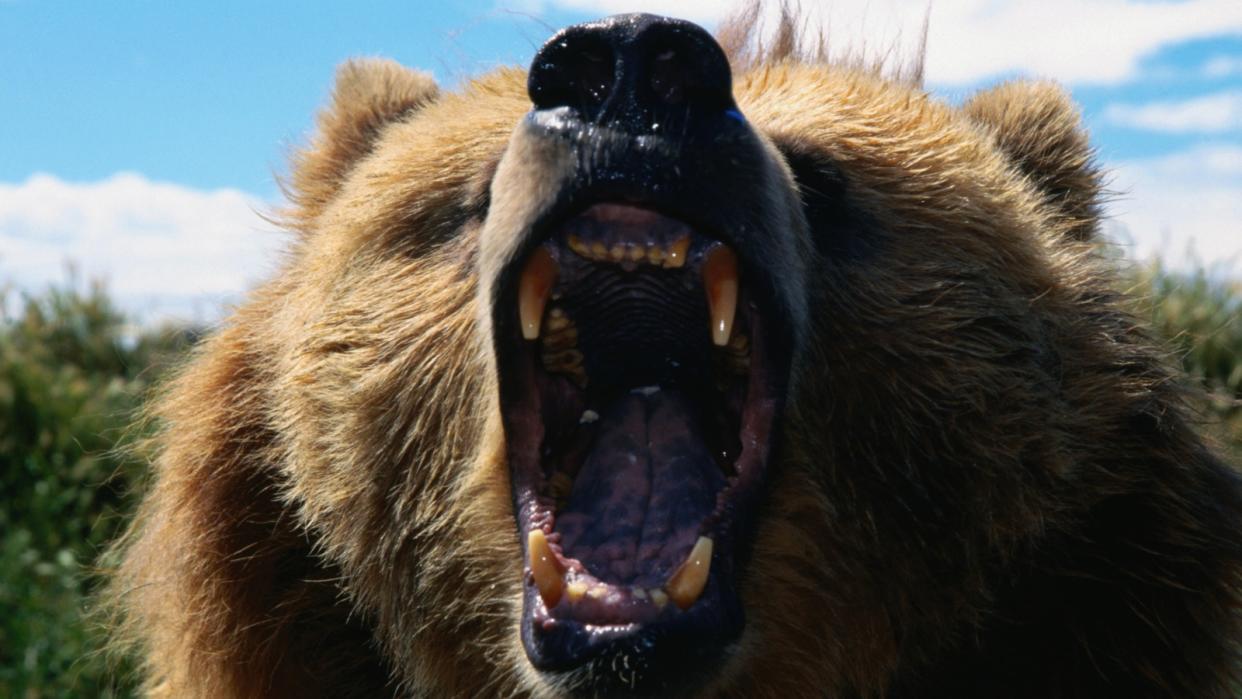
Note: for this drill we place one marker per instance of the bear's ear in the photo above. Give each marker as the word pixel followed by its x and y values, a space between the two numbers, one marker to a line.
pixel 1038 127
pixel 368 95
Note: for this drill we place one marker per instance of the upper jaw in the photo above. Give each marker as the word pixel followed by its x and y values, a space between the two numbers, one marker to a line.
pixel 730 181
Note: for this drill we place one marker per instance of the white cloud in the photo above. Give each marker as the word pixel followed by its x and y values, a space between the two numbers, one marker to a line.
pixel 1075 41
pixel 171 251
pixel 1216 113
pixel 164 250
pixel 1175 204
pixel 1223 67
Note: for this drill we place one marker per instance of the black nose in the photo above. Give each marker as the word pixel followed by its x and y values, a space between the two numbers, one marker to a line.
pixel 637 71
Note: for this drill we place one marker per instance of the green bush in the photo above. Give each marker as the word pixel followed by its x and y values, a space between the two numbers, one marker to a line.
pixel 1199 314
pixel 72 376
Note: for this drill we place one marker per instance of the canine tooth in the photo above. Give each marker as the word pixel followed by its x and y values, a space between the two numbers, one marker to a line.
pixel 720 281
pixel 575 590
pixel 686 584
pixel 675 256
pixel 533 289
pixel 545 568
pixel 658 597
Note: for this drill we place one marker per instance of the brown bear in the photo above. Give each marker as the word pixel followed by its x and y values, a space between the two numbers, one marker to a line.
pixel 673 368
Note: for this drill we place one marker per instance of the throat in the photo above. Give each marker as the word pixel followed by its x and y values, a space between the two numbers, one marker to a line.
pixel 646 485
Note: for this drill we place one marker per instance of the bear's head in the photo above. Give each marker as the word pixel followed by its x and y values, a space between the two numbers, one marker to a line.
pixel 636 375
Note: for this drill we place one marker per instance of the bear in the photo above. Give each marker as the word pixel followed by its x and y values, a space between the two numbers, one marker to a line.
pixel 673 366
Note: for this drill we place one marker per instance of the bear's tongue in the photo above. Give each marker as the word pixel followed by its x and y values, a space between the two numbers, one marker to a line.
pixel 644 488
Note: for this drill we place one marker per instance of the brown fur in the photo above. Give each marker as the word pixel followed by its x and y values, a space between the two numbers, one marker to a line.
pixel 986 484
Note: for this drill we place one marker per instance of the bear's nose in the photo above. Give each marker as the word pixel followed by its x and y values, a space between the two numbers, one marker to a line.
pixel 634 71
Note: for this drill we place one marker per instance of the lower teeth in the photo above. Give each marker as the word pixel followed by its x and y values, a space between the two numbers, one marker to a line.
pixel 683 587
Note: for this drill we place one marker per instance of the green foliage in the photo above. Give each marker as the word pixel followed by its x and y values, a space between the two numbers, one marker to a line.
pixel 72 377
pixel 1200 316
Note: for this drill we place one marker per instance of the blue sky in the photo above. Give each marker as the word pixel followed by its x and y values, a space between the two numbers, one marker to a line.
pixel 210 94
pixel 140 138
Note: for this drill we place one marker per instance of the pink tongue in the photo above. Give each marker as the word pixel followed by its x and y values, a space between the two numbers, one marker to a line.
pixel 647 484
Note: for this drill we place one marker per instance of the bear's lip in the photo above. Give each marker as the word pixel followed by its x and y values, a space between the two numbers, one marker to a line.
pixel 656 436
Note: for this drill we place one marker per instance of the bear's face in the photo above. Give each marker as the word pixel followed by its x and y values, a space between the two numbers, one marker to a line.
pixel 630 375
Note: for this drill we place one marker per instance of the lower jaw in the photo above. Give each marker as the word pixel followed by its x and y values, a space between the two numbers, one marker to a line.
pixel 662 649
pixel 593 621
pixel 673 655
pixel 669 651
pixel 668 647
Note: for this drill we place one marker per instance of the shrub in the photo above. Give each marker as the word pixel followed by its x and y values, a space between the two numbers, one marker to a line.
pixel 1199 314
pixel 72 375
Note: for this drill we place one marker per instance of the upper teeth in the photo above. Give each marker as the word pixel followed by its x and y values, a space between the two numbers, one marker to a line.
pixel 720 285
pixel 670 257
pixel 560 353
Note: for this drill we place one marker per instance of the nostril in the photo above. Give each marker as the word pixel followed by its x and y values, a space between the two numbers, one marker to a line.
pixel 668 76
pixel 576 71
pixel 595 76
pixel 686 67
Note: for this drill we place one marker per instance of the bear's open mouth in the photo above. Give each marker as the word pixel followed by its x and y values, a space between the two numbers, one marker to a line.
pixel 638 409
